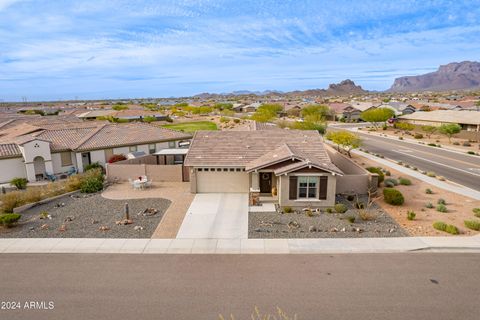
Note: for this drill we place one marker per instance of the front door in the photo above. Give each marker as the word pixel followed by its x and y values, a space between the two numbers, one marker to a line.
pixel 86 160
pixel 265 182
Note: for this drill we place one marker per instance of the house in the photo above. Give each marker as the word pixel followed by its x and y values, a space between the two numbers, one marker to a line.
pixel 292 165
pixel 251 107
pixel 352 113
pixel 399 108
pixel 35 152
pixel 468 120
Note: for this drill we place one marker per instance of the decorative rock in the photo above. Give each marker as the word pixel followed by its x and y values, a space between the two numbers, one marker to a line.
pixel 148 212
pixel 31 228
pixel 124 222
pixel 293 224
pixel 44 226
pixel 343 229
pixel 104 228
pixel 334 230
pixel 94 221
pixel 312 229
pixel 69 219
pixel 138 228
pixel 62 228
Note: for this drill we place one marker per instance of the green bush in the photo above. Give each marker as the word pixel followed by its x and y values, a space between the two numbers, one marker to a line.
pixel 452 229
pixel 429 205
pixel 411 215
pixel 9 219
pixel 442 208
pixel 471 152
pixel 387 173
pixel 476 212
pixel 442 226
pixel 428 191
pixel 287 210
pixel 404 181
pixel 393 197
pixel 236 120
pixel 431 174
pixel 19 183
pixel 351 219
pixel 388 184
pixel 340 208
pixel 472 224
pixel 92 181
pixel 418 136
pixel 329 210
pixel 441 201
pixel 378 171
pixel 92 166
pixel 391 181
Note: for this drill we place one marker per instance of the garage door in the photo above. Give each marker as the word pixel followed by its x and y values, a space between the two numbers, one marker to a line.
pixel 209 182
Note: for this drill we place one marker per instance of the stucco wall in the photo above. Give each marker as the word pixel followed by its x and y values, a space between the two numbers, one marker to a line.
pixel 12 168
pixel 57 163
pixel 123 172
pixel 283 195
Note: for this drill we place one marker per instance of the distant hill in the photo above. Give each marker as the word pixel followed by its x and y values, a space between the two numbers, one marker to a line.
pixel 453 76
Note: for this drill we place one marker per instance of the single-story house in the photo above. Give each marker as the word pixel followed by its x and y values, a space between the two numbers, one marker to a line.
pixel 290 165
pixel 35 152
pixel 468 120
pixel 400 108
pixel 352 112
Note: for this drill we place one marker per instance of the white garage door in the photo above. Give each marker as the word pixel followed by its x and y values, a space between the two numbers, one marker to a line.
pixel 210 182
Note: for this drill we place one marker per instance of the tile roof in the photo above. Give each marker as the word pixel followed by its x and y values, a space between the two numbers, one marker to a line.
pixel 9 150
pixel 446 116
pixel 253 149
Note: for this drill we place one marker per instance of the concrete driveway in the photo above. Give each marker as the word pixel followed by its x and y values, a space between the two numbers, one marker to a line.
pixel 216 216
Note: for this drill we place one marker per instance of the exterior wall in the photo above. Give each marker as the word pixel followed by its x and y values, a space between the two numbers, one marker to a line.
pixel 33 149
pixel 98 156
pixel 57 163
pixel 123 172
pixel 12 168
pixel 283 193
pixel 78 160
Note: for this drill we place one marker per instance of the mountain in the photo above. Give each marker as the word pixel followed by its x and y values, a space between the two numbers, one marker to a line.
pixel 453 76
pixel 344 88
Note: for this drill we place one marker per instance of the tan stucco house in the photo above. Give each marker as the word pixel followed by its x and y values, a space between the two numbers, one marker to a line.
pixel 291 166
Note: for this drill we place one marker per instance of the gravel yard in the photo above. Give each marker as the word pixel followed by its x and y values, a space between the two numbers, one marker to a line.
pixel 91 216
pixel 323 224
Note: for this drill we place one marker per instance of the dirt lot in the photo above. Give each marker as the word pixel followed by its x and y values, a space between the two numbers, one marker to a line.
pixel 459 207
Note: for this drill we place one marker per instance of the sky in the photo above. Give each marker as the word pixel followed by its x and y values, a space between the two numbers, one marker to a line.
pixel 59 50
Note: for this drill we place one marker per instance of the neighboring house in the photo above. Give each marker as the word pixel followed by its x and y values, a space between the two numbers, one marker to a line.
pixel 352 113
pixel 33 152
pixel 399 108
pixel 251 107
pixel 93 115
pixel 338 108
pixel 292 164
pixel 468 120
pixel 130 115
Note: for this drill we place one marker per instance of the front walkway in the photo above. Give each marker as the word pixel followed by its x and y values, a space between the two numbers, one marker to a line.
pixel 177 192
pixel 240 246
pixel 216 216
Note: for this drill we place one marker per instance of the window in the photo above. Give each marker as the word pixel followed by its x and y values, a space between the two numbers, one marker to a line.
pixel 66 159
pixel 307 187
pixel 171 144
pixel 152 148
pixel 200 169
pixel 178 158
pixel 132 148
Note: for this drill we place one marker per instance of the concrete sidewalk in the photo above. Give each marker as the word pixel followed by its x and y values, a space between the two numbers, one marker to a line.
pixel 239 246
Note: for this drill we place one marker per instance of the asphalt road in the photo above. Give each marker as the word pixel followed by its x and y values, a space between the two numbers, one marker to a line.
pixel 427 286
pixel 456 167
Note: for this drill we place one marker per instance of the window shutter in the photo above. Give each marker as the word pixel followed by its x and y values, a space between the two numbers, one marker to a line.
pixel 292 195
pixel 322 193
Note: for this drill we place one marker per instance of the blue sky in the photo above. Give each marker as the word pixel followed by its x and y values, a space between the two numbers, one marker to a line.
pixel 125 49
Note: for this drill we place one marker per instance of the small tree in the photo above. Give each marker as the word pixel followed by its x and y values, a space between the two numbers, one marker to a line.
pixel 119 107
pixel 316 113
pixel 376 116
pixel 449 129
pixel 404 126
pixel 429 130
pixel 345 140
pixel 267 112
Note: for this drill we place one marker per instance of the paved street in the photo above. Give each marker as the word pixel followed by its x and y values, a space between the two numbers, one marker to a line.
pixel 456 167
pixel 355 286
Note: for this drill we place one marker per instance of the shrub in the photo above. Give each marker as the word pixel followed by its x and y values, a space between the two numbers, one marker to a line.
pixel 116 158
pixel 19 183
pixel 378 171
pixel 411 215
pixel 404 181
pixel 92 166
pixel 439 225
pixel 432 144
pixel 442 208
pixel 340 208
pixel 350 197
pixel 476 212
pixel 224 120
pixel 428 191
pixel 431 174
pixel 472 224
pixel 388 173
pixel 329 210
pixel 400 138
pixel 11 200
pixel 393 197
pixel 392 181
pixel 388 184
pixel 9 219
pixel 73 183
pixel 367 215
pixel 351 219
pixel 429 205
pixel 309 213
pixel 452 229
pixel 467 144
pixel 92 181
pixel 236 120
pixel 471 152
pixel 456 143
pixel 418 136
pixel 287 210
pixel 441 201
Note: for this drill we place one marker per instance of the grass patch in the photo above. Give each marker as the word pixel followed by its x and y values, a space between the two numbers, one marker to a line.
pixel 192 126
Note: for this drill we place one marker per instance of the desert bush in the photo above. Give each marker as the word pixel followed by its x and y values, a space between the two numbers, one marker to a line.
pixel 391 180
pixel 472 224
pixel 224 120
pixel 11 200
pixel 287 210
pixel 10 219
pixel 388 173
pixel 418 136
pixel 441 201
pixel 31 195
pixel 329 210
pixel 393 197
pixel 471 152
pixel 411 215
pixel 351 219
pixel 92 181
pixel 94 165
pixel 367 215
pixel 378 171
pixel 431 174
pixel 309 213
pixel 404 181
pixel 452 229
pixel 456 143
pixel 73 183
pixel 429 205
pixel 442 208
pixel 432 144
pixel 340 208
pixel 388 184
pixel 467 144
pixel 442 226
pixel 428 191
pixel 236 120
pixel 19 183
pixel 476 212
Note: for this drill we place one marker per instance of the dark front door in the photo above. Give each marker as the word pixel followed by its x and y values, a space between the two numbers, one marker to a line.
pixel 265 182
